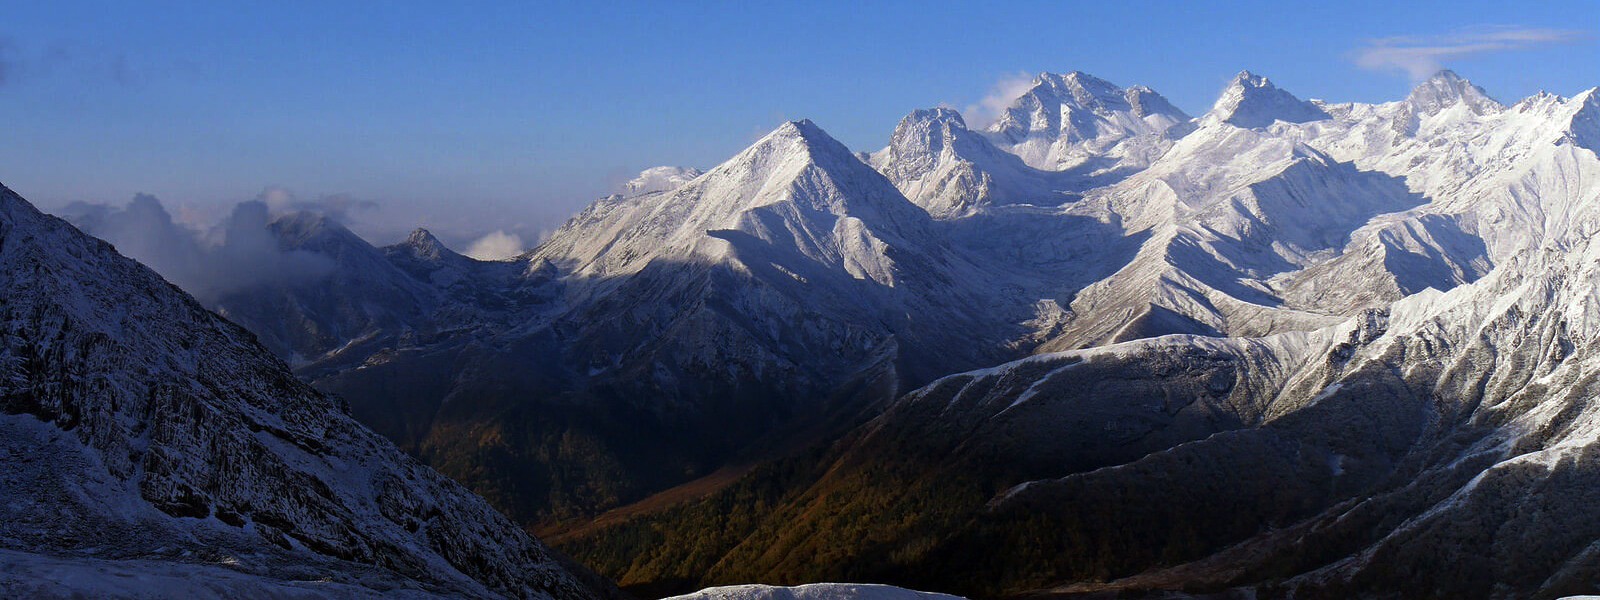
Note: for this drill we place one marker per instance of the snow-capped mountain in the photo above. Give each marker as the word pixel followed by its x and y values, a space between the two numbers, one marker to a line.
pixel 778 294
pixel 1408 289
pixel 1204 296
pixel 145 437
pixel 951 171
pixel 659 179
pixel 1251 101
pixel 1441 447
pixel 1080 122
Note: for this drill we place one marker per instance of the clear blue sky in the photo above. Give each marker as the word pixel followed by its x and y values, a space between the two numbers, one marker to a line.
pixel 488 115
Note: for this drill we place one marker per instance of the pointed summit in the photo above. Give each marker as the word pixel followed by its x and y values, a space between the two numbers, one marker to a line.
pixel 301 230
pixel 1085 89
pixel 790 189
pixel 1062 120
pixel 1446 89
pixel 422 238
pixel 1584 129
pixel 937 114
pixel 951 171
pixel 799 163
pixel 1145 102
pixel 801 135
pixel 922 136
pixel 1251 101
pixel 421 244
pixel 1080 97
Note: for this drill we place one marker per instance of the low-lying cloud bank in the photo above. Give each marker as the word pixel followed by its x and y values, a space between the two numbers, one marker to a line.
pixel 497 245
pixel 235 255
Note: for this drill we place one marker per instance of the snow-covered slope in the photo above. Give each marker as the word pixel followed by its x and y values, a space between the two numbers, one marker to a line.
pixel 951 171
pixel 777 294
pixel 699 319
pixel 1252 101
pixel 363 298
pixel 797 188
pixel 1442 447
pixel 1080 122
pixel 142 433
pixel 1347 352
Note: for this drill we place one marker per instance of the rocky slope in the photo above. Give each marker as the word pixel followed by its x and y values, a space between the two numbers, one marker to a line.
pixel 1231 310
pixel 779 294
pixel 1427 444
pixel 144 434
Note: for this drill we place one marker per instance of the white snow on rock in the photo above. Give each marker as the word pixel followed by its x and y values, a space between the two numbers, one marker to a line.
pixel 1066 121
pixel 660 179
pixel 1252 101
pixel 143 434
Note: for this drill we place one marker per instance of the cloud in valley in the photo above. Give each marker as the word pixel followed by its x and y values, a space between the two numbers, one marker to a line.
pixel 238 254
pixel 340 207
pixel 1423 55
pixel 497 245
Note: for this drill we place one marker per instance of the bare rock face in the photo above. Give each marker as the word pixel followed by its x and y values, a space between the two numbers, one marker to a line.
pixel 143 433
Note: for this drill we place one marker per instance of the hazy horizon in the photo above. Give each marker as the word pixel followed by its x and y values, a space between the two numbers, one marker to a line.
pixel 495 119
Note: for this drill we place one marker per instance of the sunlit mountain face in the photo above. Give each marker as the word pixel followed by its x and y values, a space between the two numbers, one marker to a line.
pixel 388 315
pixel 1096 346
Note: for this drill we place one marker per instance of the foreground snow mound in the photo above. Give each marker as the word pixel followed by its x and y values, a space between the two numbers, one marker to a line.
pixel 141 433
pixel 815 591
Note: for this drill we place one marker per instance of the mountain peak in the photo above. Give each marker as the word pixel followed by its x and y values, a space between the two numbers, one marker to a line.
pixel 421 237
pixel 302 229
pixel 924 133
pixel 923 136
pixel 1080 89
pixel 1252 101
pixel 802 127
pixel 1445 75
pixel 1584 129
pixel 1446 89
pixel 1145 102
pixel 1062 119
pixel 937 114
pixel 801 135
pixel 422 244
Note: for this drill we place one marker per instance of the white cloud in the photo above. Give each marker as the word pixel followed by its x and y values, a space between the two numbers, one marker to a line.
pixel 238 254
pixel 498 245
pixel 989 108
pixel 1420 56
pixel 339 207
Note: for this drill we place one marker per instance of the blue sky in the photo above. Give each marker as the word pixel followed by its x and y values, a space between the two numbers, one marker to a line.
pixel 470 117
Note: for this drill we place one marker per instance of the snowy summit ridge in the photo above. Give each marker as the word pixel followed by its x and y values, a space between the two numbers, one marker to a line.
pixel 1252 101
pixel 1347 295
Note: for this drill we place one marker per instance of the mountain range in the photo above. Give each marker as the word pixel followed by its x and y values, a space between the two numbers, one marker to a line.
pixel 1285 348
